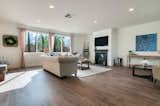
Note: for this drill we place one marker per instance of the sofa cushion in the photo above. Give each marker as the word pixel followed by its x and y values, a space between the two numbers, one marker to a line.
pixel 64 59
pixel 64 54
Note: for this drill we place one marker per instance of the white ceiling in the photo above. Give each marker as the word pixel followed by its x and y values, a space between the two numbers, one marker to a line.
pixel 108 13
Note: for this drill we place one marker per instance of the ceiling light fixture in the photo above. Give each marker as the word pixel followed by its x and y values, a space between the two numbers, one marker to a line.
pixel 68 15
pixel 131 10
pixel 51 6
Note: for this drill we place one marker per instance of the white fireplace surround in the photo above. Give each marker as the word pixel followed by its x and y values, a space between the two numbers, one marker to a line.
pixel 101 47
pixel 112 39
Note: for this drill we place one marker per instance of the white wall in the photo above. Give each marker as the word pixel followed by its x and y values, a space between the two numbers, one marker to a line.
pixel 127 36
pixel 114 44
pixel 79 42
pixel 11 53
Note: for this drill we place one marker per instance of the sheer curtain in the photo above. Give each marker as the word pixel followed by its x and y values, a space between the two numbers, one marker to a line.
pixel 51 41
pixel 22 45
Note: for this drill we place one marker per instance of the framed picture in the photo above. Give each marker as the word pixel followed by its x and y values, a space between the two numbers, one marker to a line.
pixel 146 42
pixel 10 41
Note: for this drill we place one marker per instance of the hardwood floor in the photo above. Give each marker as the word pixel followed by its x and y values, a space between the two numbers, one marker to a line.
pixel 113 88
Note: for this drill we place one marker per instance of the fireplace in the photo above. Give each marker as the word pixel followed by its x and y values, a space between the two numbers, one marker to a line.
pixel 101 57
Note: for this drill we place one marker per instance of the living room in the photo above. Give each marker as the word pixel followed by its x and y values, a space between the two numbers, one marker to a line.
pixel 76 54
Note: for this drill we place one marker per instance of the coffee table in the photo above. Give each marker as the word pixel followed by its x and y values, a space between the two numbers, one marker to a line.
pixel 84 61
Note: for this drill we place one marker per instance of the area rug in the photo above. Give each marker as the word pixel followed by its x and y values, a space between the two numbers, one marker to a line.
pixel 17 80
pixel 92 71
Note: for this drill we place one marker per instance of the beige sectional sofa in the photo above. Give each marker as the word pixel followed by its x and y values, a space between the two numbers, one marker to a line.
pixel 60 65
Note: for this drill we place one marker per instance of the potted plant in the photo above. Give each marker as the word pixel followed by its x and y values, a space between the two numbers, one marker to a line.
pixel 131 52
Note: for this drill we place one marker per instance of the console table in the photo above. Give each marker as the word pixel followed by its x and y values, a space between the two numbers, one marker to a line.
pixel 153 57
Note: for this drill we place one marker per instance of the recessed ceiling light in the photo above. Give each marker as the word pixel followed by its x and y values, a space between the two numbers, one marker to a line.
pixel 131 10
pixel 51 6
pixel 38 21
pixel 95 21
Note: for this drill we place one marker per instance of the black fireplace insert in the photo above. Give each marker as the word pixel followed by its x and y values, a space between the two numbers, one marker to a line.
pixel 101 57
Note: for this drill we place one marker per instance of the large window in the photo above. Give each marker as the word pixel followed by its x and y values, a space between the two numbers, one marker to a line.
pixel 36 41
pixel 66 44
pixel 58 43
pixel 62 43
